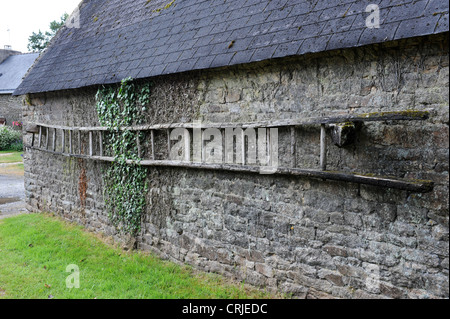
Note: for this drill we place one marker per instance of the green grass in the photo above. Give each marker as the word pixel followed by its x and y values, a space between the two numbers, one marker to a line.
pixel 15 157
pixel 35 250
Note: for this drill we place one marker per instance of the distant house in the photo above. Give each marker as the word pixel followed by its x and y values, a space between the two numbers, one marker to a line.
pixel 355 93
pixel 13 67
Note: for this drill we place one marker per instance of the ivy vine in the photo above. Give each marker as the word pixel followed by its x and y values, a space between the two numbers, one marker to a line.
pixel 125 184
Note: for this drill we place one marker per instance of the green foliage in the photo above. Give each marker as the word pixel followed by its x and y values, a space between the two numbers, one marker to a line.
pixel 17 146
pixel 125 184
pixel 10 139
pixel 37 42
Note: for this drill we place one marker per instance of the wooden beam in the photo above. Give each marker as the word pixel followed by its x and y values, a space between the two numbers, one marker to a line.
pixel 63 140
pixel 79 143
pixel 274 148
pixel 152 137
pixel 293 147
pixel 322 173
pixel 323 147
pixel 138 143
pixel 242 147
pixel 100 142
pixel 168 142
pixel 54 140
pixel 420 186
pixel 224 145
pixel 40 136
pixel 46 138
pixel 269 148
pixel 410 115
pixel 91 144
pixel 70 142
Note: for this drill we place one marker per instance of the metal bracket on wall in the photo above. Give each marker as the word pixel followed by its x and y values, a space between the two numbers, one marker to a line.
pixel 339 137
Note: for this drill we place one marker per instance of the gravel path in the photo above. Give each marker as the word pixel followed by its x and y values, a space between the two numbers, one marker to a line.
pixel 12 196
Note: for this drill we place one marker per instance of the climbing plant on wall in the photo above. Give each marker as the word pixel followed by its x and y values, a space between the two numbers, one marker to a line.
pixel 125 184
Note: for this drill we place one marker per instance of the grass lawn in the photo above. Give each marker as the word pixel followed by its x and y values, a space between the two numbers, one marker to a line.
pixel 10 157
pixel 12 170
pixel 35 250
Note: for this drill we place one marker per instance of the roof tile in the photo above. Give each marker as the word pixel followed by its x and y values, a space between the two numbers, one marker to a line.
pixel 287 49
pixel 385 33
pixel 143 39
pixel 416 27
pixel 442 25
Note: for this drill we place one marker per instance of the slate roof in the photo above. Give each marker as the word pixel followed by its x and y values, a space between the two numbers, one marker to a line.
pixel 13 69
pixel 145 38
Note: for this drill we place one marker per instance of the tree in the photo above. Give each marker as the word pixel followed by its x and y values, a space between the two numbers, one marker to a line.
pixel 37 42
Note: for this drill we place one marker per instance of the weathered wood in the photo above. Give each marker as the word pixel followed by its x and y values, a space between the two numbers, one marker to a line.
pixel 91 144
pixel 168 141
pixel 410 115
pixel 63 140
pixel 152 137
pixel 323 147
pixel 293 147
pixel 414 186
pixel 46 138
pixel 274 148
pixel 269 148
pixel 262 146
pixel 203 159
pixel 100 142
pixel 70 142
pixel 243 147
pixel 54 140
pixel 80 151
pixel 138 143
pixel 40 136
pixel 420 186
pixel 32 128
pixel 187 146
pixel 224 145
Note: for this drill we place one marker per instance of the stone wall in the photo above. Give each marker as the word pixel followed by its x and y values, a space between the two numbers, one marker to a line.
pixel 11 108
pixel 308 237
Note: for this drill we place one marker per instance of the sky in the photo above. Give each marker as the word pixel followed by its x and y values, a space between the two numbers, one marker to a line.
pixel 23 17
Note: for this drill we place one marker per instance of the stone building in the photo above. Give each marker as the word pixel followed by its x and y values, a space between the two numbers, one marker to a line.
pixel 326 222
pixel 4 53
pixel 13 67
